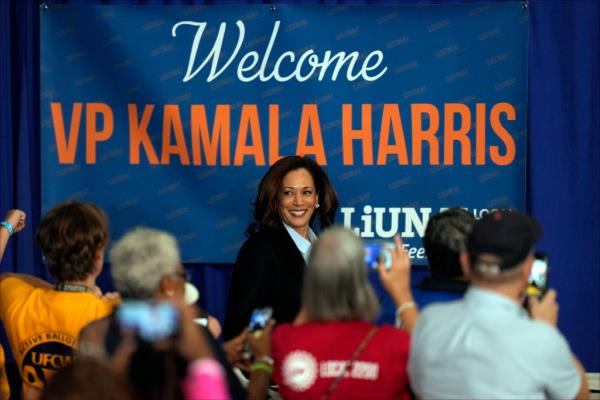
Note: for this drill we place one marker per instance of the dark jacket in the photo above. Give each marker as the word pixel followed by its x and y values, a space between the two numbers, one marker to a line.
pixel 269 271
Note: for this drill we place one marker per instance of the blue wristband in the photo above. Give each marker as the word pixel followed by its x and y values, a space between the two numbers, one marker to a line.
pixel 8 227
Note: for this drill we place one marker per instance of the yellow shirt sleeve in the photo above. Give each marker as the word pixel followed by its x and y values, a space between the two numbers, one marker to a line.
pixel 11 289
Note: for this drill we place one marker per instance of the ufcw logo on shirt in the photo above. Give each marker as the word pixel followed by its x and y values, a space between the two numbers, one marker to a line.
pixel 45 355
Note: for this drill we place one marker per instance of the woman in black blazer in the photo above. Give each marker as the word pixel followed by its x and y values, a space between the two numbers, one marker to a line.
pixel 269 271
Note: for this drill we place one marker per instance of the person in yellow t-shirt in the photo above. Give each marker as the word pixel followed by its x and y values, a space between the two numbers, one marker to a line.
pixel 13 222
pixel 43 321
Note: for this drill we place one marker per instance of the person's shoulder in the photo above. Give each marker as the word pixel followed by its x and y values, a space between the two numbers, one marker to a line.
pixel 13 286
pixel 9 280
pixel 304 330
pixel 102 306
pixel 391 332
pixel 268 233
pixel 441 309
pixel 282 333
pixel 541 333
pixel 440 315
pixel 264 242
pixel 261 237
pixel 286 328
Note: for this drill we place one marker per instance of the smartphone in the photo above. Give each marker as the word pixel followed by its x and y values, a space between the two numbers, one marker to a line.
pixel 150 320
pixel 259 319
pixel 376 252
pixel 538 278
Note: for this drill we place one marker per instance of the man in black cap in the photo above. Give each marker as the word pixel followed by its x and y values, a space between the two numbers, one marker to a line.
pixel 486 345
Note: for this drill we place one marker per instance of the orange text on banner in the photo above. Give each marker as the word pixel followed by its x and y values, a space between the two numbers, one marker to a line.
pixel 454 134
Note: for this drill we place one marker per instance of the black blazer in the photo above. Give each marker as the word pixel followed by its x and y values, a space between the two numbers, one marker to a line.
pixel 269 271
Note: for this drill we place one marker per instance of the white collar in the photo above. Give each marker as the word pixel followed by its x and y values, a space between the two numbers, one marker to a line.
pixel 300 241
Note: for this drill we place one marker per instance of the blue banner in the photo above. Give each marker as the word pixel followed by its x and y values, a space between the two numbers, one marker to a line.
pixel 169 116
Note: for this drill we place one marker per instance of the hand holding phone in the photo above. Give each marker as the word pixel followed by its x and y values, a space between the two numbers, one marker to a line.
pixel 150 320
pixel 260 344
pixel 376 252
pixel 538 278
pixel 259 319
pixel 544 309
pixel 396 278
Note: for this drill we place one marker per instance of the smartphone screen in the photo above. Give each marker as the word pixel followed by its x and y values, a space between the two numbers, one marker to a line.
pixel 375 252
pixel 151 321
pixel 259 319
pixel 538 279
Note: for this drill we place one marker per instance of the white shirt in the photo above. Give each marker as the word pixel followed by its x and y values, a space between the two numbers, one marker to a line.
pixel 485 346
pixel 302 244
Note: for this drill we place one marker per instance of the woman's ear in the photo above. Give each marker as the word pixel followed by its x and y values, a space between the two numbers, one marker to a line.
pixel 166 287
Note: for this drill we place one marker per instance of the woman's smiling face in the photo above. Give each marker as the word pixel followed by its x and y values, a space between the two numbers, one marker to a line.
pixel 297 200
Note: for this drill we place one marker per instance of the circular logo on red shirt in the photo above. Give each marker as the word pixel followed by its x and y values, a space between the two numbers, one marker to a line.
pixel 299 370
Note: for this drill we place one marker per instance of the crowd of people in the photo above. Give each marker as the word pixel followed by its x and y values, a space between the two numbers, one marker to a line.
pixel 474 337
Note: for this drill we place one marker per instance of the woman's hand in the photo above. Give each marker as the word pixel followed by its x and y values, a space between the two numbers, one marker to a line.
pixel 214 326
pixel 260 341
pixel 235 352
pixel 396 280
pixel 16 218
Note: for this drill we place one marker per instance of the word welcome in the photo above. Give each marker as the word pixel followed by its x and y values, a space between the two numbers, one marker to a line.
pixel 435 134
pixel 253 65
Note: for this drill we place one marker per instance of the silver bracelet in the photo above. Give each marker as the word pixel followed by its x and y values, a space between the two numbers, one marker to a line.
pixel 401 308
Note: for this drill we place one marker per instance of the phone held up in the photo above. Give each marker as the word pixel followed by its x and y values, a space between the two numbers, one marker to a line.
pixel 150 320
pixel 259 319
pixel 376 252
pixel 538 278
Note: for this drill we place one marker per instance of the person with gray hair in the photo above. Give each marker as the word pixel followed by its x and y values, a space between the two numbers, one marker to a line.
pixel 146 268
pixel 334 346
pixel 146 263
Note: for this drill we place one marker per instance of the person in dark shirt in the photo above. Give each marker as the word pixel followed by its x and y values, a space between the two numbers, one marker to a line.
pixel 294 197
pixel 445 237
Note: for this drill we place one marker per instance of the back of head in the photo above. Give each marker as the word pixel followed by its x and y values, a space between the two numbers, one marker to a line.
pixel 336 285
pixel 156 374
pixel 140 259
pixel 499 244
pixel 86 379
pixel 445 237
pixel 72 235
pixel 266 212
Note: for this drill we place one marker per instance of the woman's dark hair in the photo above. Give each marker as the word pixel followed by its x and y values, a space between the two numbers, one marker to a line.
pixel 266 213
pixel 87 379
pixel 70 236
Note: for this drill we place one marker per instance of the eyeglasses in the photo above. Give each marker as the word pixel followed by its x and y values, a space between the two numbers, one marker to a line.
pixel 185 275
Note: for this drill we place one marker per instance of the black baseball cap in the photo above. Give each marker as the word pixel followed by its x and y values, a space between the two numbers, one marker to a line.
pixel 507 235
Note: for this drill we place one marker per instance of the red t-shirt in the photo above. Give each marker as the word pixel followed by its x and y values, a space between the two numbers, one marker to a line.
pixel 309 357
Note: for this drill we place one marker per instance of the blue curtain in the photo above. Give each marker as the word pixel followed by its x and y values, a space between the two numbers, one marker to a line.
pixel 563 171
